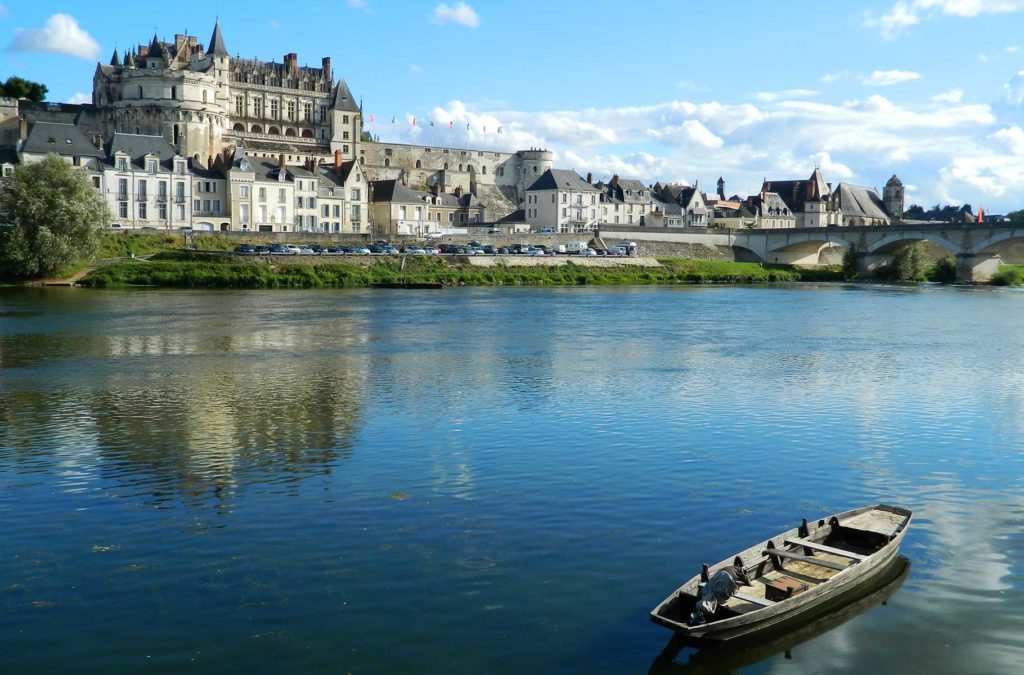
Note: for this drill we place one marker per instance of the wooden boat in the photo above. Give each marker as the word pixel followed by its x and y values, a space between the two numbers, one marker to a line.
pixel 791 575
pixel 733 655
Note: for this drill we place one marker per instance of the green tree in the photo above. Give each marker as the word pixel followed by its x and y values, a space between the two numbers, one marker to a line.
pixel 907 264
pixel 50 217
pixel 850 264
pixel 19 87
pixel 1016 216
pixel 944 271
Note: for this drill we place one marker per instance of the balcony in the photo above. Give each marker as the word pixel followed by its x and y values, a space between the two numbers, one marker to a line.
pixel 142 196
pixel 161 199
pixel 179 199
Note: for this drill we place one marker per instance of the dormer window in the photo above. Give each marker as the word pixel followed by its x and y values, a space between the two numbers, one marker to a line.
pixel 122 163
pixel 244 165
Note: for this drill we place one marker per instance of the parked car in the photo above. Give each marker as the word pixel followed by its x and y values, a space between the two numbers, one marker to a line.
pixel 390 250
pixel 588 252
pixel 319 248
pixel 431 249
pixel 335 250
pixel 503 251
pixel 376 248
pixel 279 249
pixel 359 250
pixel 262 250
pixel 245 249
pixel 490 250
pixel 306 250
pixel 292 249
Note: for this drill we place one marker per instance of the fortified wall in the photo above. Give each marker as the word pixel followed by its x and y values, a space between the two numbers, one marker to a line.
pixel 498 179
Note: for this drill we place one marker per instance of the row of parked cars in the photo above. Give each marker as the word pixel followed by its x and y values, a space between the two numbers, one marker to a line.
pixel 385 248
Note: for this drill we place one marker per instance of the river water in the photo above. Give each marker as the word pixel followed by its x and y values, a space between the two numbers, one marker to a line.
pixel 493 480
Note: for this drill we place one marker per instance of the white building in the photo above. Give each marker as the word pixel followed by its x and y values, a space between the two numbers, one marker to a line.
pixel 562 201
pixel 146 183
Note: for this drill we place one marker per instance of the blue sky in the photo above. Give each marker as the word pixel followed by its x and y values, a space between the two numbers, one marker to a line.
pixel 932 90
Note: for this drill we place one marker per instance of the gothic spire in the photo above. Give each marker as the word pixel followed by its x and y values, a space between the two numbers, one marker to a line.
pixel 115 60
pixel 217 47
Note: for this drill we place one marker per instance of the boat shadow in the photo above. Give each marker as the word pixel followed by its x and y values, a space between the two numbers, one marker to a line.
pixel 735 654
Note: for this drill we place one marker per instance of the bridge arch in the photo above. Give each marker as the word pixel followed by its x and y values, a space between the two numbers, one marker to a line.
pixel 998 238
pixel 896 241
pixel 813 250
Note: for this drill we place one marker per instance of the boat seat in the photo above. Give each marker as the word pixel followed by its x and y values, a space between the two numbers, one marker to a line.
pixel 753 599
pixel 782 553
pixel 825 549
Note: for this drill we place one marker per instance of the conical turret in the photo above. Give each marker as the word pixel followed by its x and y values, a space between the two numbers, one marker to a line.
pixel 217 47
pixel 115 60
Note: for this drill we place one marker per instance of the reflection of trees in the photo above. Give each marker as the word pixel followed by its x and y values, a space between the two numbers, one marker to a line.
pixel 229 425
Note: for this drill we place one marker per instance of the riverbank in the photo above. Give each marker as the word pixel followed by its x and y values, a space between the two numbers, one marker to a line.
pixel 184 269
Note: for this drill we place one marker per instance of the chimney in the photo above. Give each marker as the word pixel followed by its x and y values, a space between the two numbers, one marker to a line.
pixel 458 190
pixel 326 64
pixel 179 40
pixel 22 128
pixel 291 62
pixel 280 162
pixel 191 40
pixel 209 162
pixel 143 52
pixel 440 183
pixel 590 178
pixel 436 189
pixel 614 180
pixel 337 160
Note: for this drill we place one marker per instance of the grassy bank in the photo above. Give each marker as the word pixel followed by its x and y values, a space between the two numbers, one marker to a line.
pixel 1009 275
pixel 181 269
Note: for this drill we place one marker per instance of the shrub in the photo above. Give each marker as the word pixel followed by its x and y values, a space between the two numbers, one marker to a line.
pixel 1008 276
pixel 943 271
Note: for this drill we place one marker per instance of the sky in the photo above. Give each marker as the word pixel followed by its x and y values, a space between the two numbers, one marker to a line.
pixel 673 90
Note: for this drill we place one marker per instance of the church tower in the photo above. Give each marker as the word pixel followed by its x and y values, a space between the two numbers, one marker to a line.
pixel 892 196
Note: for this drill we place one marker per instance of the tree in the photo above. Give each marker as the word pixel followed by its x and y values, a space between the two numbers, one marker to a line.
pixel 907 264
pixel 50 217
pixel 18 87
pixel 850 264
pixel 1016 216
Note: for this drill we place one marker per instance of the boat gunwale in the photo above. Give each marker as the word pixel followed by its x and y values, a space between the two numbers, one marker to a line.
pixel 759 617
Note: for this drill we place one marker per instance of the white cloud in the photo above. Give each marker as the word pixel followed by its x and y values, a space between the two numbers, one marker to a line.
pixel 886 78
pixel 274 24
pixel 905 14
pixel 689 133
pixel 772 96
pixel 459 13
pixel 61 34
pixel 415 69
pixel 829 78
pixel 951 96
pixel 359 4
pixel 80 97
pixel 1012 49
pixel 1012 138
pixel 983 57
pixel 3 11
pixel 1015 89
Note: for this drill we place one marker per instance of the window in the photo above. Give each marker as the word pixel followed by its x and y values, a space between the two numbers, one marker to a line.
pixel 401 212
pixel 142 189
pixel 356 194
pixel 257 107
pixel 239 105
pixel 180 211
pixel 355 212
pixel 263 194
pixel 243 213
pixel 337 211
pixel 142 210
pixel 325 211
pixel 122 209
pixel 344 149
pixel 122 188
pixel 216 206
pixel 311 202
pixel 344 119
pixel 122 164
pixel 344 135
pixel 565 198
pixel 291 110
pixel 206 206
pixel 307 112
pixel 323 113
pixel 174 92
pixel 196 204
pixel 281 197
pixel 179 168
pixel 162 211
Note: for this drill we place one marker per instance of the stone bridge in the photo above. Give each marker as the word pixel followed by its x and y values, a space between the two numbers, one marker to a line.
pixel 975 246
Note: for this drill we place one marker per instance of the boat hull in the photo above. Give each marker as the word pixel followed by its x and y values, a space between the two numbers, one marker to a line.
pixel 798 608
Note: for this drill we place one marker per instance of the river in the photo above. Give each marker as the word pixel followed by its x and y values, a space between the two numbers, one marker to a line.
pixel 493 480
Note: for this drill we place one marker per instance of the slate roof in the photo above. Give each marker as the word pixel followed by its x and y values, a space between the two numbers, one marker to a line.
pixel 343 99
pixel 857 201
pixel 394 191
pixel 332 178
pixel 60 139
pixel 217 42
pixel 796 193
pixel 561 179
pixel 137 146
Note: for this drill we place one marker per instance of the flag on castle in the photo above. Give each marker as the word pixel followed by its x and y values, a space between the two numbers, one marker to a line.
pixel 450 124
pixel 414 121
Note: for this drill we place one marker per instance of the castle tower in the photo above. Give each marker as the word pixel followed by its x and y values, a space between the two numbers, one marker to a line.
pixel 531 165
pixel 721 188
pixel 892 197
